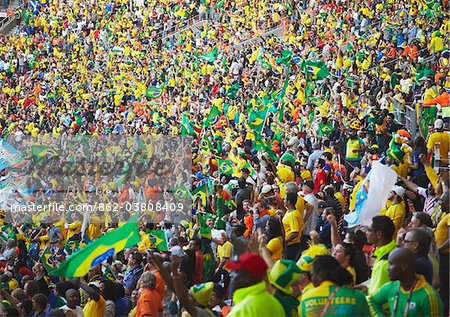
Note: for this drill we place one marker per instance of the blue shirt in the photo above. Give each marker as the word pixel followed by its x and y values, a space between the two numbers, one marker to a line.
pixel 131 277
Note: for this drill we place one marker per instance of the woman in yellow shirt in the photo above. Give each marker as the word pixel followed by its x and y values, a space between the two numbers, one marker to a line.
pixel 274 238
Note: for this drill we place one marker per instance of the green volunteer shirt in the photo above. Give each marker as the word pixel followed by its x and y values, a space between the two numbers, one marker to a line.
pixel 379 275
pixel 346 301
pixel 255 301
pixel 425 301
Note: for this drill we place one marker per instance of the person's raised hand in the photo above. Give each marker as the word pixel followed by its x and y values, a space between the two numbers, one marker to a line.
pixel 423 158
pixel 331 218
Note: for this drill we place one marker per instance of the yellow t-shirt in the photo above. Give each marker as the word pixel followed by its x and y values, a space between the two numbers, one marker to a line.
pixel 441 233
pixel 353 144
pixel 275 246
pixel 306 175
pixel 441 138
pixel 352 271
pixel 292 223
pixel 94 308
pixel 397 213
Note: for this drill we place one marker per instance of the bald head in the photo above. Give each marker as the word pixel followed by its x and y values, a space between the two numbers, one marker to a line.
pixel 402 263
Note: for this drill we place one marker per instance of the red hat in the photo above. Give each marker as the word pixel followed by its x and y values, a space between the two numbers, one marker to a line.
pixel 250 262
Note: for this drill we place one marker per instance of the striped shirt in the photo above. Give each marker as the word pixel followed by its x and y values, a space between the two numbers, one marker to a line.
pixel 425 300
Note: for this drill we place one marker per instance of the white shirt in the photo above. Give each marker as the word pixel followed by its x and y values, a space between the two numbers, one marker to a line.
pixel 77 311
pixel 311 222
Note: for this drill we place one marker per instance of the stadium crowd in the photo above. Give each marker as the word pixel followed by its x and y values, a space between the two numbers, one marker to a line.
pixel 289 106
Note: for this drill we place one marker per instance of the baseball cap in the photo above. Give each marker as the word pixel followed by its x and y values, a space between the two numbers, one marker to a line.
pixel 438 124
pixel 323 204
pixel 399 190
pixel 250 262
pixel 266 189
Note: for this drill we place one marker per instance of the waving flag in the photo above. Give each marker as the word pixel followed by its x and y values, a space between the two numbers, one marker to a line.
pixel 158 239
pixel 232 91
pixel 109 274
pixel 286 57
pixel 213 117
pixel 200 193
pixel 325 129
pixel 211 56
pixel 42 152
pixel 256 120
pixel 225 167
pixel 181 192
pixel 154 92
pixel 372 195
pixel 46 259
pixel 317 69
pixel 80 262
pixel 186 126
pixel 205 143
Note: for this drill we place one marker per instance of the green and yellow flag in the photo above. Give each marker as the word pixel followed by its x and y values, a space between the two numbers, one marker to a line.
pixel 317 69
pixel 325 129
pixel 42 152
pixel 109 274
pixel 211 56
pixel 225 167
pixel 154 92
pixel 200 192
pixel 213 117
pixel 46 259
pixel 80 262
pixel 181 192
pixel 158 240
pixel 205 143
pixel 256 120
pixel 186 126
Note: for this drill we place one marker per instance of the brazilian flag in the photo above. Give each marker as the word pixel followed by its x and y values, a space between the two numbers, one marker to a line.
pixel 181 192
pixel 256 120
pixel 286 57
pixel 428 116
pixel 186 126
pixel 225 167
pixel 232 91
pixel 158 239
pixel 231 205
pixel 205 143
pixel 109 274
pixel 317 69
pixel 154 92
pixel 325 129
pixel 42 152
pixel 80 262
pixel 46 259
pixel 200 192
pixel 211 56
pixel 213 117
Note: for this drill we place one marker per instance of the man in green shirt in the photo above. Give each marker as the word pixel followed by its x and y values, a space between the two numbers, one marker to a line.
pixel 408 294
pixel 380 233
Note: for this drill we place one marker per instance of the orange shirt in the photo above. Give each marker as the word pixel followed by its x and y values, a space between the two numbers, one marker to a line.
pixel 160 285
pixel 149 303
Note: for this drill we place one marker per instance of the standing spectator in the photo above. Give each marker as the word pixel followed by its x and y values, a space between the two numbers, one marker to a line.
pixel 411 294
pixel 149 302
pixel 73 300
pixel 134 272
pixel 250 297
pixel 39 305
pixel 380 233
pixel 195 246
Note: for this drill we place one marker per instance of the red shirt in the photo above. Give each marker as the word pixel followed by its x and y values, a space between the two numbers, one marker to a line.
pixel 320 179
pixel 199 267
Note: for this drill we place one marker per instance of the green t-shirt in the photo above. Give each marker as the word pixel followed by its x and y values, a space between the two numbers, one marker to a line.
pixel 346 301
pixel 425 300
pixel 379 275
